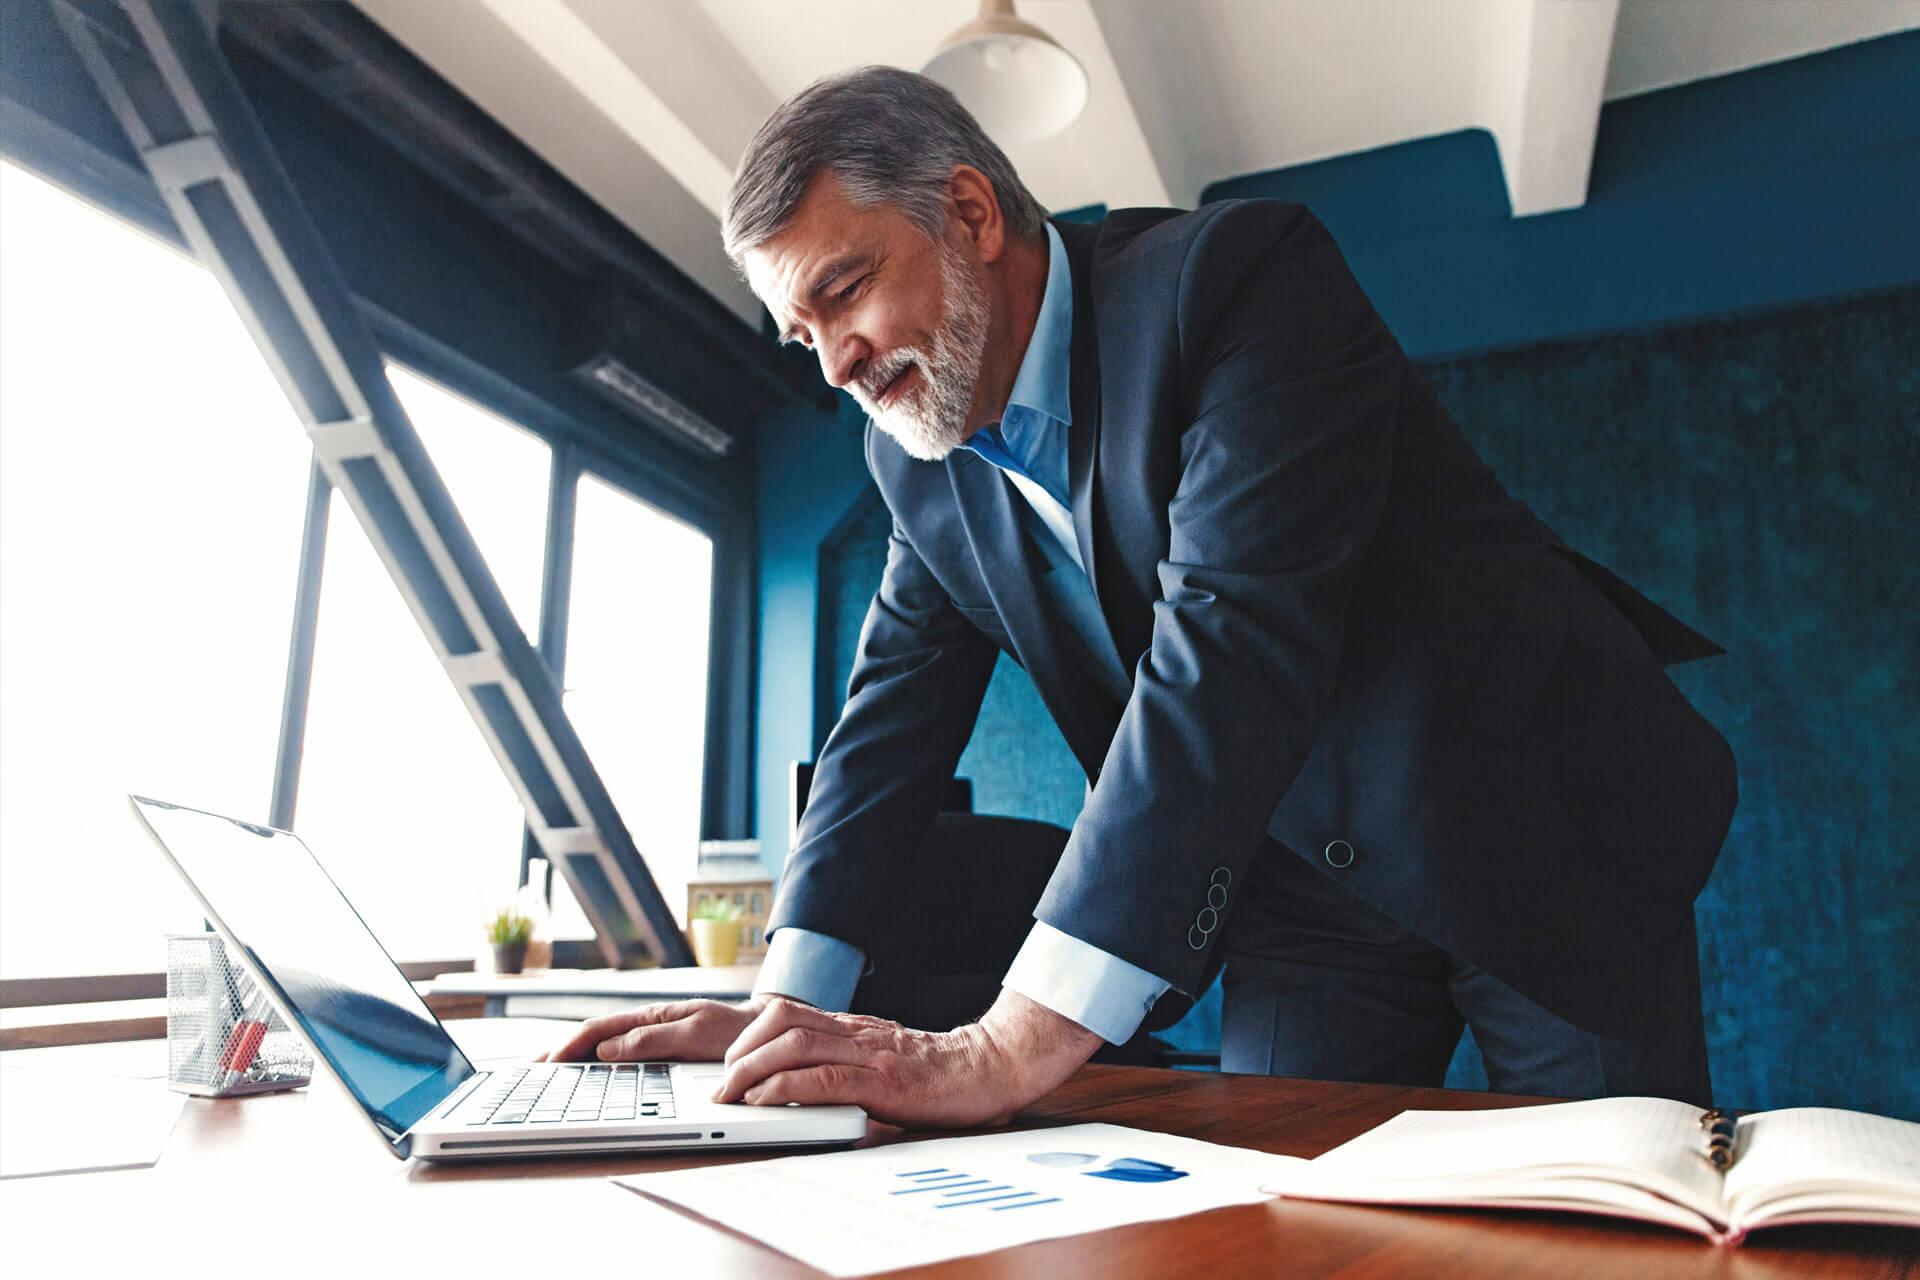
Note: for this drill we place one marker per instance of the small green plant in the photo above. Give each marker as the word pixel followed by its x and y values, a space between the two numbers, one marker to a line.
pixel 717 909
pixel 510 929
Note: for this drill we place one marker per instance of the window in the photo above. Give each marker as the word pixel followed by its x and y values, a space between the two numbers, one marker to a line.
pixel 636 678
pixel 152 479
pixel 399 795
pixel 153 484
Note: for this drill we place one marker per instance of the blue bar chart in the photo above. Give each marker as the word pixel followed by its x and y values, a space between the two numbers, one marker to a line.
pixel 951 1189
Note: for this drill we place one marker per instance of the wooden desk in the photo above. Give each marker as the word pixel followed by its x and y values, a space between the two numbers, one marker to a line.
pixel 293 1184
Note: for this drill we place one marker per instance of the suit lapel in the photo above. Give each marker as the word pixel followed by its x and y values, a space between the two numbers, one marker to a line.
pixel 1107 476
pixel 1083 436
pixel 1011 567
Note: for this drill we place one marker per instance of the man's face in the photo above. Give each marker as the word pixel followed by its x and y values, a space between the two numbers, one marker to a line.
pixel 898 320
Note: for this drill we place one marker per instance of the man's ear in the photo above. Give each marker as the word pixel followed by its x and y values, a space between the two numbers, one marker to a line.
pixel 977 207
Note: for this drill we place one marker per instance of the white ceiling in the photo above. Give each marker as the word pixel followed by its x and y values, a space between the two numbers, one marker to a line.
pixel 646 105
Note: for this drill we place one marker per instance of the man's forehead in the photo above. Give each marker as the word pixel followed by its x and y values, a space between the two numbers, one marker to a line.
pixel 784 269
pixel 826 230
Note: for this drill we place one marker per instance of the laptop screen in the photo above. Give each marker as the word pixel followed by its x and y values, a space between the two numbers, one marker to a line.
pixel 356 1009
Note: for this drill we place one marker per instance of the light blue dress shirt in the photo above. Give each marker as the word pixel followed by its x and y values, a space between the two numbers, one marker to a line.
pixel 1075 979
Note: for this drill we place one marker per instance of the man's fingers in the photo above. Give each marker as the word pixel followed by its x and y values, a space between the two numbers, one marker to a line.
pixel 580 1045
pixel 782 1015
pixel 683 1038
pixel 831 1084
pixel 589 1033
pixel 792 1050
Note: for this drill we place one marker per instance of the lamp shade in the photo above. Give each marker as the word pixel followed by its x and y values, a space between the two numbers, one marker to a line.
pixel 1015 78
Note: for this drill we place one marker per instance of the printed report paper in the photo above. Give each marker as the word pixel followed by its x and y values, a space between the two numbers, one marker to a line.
pixel 54 1122
pixel 851 1213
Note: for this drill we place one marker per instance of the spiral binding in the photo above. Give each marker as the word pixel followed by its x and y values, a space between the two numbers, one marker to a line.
pixel 1718 1127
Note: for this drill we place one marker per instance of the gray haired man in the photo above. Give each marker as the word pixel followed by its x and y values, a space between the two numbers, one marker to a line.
pixel 1356 725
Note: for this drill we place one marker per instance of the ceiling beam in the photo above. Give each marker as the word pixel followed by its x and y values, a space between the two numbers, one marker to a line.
pixel 626 134
pixel 1542 76
pixel 660 72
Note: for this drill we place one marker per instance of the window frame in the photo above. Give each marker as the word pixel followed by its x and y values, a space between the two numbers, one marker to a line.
pixel 726 800
pixel 725 807
pixel 89 173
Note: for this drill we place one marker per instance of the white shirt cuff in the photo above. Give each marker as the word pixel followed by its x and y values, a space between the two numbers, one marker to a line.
pixel 809 966
pixel 1077 980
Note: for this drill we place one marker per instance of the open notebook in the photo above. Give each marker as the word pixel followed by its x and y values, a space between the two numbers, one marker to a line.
pixel 1645 1158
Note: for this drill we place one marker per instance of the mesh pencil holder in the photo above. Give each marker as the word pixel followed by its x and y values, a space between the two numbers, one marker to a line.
pixel 223 1037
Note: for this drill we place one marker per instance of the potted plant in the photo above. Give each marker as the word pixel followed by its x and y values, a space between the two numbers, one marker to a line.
pixel 509 934
pixel 716 932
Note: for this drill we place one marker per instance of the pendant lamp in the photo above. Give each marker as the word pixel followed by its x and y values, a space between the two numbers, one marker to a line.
pixel 1015 78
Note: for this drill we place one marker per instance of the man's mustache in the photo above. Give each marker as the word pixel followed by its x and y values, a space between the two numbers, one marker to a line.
pixel 883 375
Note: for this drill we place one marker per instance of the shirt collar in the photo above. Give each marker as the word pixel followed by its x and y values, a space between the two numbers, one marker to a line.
pixel 1044 383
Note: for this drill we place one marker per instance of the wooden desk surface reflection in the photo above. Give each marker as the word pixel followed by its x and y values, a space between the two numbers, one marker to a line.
pixel 293 1184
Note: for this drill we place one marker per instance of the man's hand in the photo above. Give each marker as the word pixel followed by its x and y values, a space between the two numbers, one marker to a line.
pixel 975 1075
pixel 685 1031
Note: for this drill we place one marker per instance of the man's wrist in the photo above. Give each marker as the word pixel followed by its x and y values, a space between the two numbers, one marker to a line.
pixel 1036 1047
pixel 761 999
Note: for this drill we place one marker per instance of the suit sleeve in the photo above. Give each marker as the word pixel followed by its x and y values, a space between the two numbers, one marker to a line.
pixel 1291 386
pixel 915 691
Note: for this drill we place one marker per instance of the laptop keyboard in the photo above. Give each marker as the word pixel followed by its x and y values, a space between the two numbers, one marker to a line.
pixel 566 1092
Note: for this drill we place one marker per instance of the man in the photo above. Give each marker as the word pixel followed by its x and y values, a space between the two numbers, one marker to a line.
pixel 1355 723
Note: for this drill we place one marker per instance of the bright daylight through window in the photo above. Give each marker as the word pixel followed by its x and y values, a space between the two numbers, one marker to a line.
pixel 399 796
pixel 152 484
pixel 637 673
pixel 152 479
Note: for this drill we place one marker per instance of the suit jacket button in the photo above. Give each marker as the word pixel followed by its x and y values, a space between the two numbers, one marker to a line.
pixel 1339 854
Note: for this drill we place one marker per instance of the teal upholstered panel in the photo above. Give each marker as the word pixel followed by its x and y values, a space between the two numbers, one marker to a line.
pixel 1761 477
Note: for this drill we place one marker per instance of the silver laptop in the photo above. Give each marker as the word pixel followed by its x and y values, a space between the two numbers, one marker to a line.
pixel 326 973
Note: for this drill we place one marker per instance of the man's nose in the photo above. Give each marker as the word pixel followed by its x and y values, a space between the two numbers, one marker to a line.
pixel 842 360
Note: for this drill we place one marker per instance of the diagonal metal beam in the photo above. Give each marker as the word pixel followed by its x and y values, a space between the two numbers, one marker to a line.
pixel 161 71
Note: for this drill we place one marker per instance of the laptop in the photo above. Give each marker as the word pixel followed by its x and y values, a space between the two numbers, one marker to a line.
pixel 325 972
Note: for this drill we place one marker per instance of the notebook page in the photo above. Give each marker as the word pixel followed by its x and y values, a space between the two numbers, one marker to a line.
pixel 1780 1149
pixel 1633 1135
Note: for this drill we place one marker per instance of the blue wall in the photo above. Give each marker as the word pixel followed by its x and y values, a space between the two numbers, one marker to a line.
pixel 1794 181
pixel 1754 474
pixel 810 470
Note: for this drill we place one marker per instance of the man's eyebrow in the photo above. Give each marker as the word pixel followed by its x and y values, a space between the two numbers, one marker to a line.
pixel 823 280
pixel 840 266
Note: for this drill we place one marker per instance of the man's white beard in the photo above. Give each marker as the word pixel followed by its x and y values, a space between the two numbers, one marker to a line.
pixel 930 418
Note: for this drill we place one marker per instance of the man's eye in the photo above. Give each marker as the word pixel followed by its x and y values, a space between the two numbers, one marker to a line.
pixel 851 289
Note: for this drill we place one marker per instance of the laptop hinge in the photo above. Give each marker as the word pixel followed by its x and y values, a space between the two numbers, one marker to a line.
pixel 454 1099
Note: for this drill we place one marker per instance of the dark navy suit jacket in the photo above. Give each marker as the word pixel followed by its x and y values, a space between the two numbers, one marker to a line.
pixel 1340 628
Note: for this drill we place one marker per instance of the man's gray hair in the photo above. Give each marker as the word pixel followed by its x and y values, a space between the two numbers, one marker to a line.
pixel 889 136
